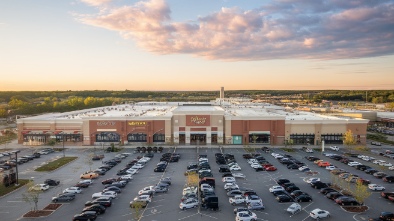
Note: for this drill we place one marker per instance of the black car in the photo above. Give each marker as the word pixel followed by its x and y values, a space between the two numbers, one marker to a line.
pixel 297 193
pixel 95 207
pixel 327 190
pixel 386 216
pixel 292 188
pixel 88 215
pixel 347 201
pixel 36 155
pixel 284 185
pixel 101 201
pixel 389 179
pixel 282 181
pixel 318 185
pixel 121 173
pixel 370 171
pixel 312 158
pixel 333 195
pixel 159 169
pixel 51 182
pixel 293 166
pixel 259 169
pixel 303 198
pixel 279 192
pixel 223 169
pixel 284 198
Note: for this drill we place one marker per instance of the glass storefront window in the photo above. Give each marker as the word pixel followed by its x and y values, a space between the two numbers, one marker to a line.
pixel 303 138
pixel 259 138
pixel 107 137
pixel 332 138
pixel 138 137
pixel 158 138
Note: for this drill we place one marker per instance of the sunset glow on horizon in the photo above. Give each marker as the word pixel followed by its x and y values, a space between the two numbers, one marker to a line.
pixel 172 45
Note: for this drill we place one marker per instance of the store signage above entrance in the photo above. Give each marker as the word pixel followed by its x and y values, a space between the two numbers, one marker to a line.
pixel 197 120
pixel 137 123
pixel 106 123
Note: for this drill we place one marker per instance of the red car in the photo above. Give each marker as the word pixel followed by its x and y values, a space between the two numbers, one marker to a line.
pixel 391 198
pixel 270 168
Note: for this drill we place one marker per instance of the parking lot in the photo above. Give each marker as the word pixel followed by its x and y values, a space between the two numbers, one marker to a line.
pixel 165 206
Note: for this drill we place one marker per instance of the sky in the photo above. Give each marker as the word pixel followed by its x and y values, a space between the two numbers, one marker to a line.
pixel 196 45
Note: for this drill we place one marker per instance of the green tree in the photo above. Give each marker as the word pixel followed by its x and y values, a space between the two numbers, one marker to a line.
pixel 361 192
pixel 3 113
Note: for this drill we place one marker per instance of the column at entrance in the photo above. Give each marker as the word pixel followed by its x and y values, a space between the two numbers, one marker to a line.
pixel 209 136
pixel 187 139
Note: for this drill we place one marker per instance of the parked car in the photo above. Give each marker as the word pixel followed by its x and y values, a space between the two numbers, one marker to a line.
pixel 294 208
pixel 245 216
pixel 63 198
pixel 335 148
pixel 110 194
pixel 39 187
pixel 376 187
pixel 303 198
pixel 85 216
pixel 73 190
pixel 52 182
pixel 89 175
pixel 256 206
pixel 188 204
pixel 319 214
pixel 95 207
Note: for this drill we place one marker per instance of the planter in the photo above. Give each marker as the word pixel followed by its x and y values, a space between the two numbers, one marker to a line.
pixel 48 210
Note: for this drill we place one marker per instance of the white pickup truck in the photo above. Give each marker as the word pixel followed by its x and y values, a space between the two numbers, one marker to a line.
pixel 334 148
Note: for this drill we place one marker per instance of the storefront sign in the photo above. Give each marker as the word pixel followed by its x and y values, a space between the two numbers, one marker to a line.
pixel 197 120
pixel 106 123
pixel 137 123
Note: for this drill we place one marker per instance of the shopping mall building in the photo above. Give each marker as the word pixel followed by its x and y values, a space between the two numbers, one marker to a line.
pixel 223 121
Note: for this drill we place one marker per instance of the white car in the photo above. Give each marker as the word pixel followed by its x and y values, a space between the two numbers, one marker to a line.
pixel 245 216
pixel 204 170
pixel 132 171
pixel 354 163
pixel 334 148
pixel 278 156
pixel 146 198
pixel 231 186
pixel 206 187
pixel 313 179
pixel 294 208
pixel 228 179
pixel 110 194
pixel 235 168
pixel 203 159
pixel 308 150
pixel 276 188
pixel 239 175
pixel 391 168
pixel 373 186
pixel 188 204
pixel 250 161
pixel 331 167
pixel 378 161
pixel 189 190
pixel 237 199
pixel 137 166
pixel 87 181
pixel 319 214
pixel 146 190
pixel 126 177
pixel 72 190
pixel 387 164
pixel 39 187
pixel 256 165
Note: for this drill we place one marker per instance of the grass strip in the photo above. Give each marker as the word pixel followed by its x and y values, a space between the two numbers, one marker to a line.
pixel 5 190
pixel 55 164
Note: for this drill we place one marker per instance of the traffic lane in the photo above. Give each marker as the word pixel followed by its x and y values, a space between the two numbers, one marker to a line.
pixel 166 206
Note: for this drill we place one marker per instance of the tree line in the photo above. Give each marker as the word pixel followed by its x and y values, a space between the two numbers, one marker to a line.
pixel 36 102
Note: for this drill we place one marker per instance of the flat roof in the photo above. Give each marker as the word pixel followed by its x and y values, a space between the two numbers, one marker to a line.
pixel 228 108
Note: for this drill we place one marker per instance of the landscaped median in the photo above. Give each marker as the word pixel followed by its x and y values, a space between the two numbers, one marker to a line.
pixel 5 190
pixel 51 166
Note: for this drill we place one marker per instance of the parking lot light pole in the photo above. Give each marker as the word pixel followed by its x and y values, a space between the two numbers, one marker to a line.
pixel 16 168
pixel 64 154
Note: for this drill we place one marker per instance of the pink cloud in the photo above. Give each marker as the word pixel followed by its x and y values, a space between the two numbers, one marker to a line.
pixel 96 2
pixel 277 31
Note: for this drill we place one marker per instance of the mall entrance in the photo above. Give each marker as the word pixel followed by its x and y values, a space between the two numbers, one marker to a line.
pixel 198 139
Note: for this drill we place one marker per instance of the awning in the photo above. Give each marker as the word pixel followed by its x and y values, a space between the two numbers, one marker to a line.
pixel 25 131
pixel 58 132
pixel 77 132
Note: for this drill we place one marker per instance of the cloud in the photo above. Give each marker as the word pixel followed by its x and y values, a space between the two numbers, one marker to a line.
pixel 300 29
pixel 96 2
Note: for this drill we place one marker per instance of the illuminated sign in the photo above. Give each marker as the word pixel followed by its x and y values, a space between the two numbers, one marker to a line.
pixel 198 120
pixel 137 123
pixel 106 123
